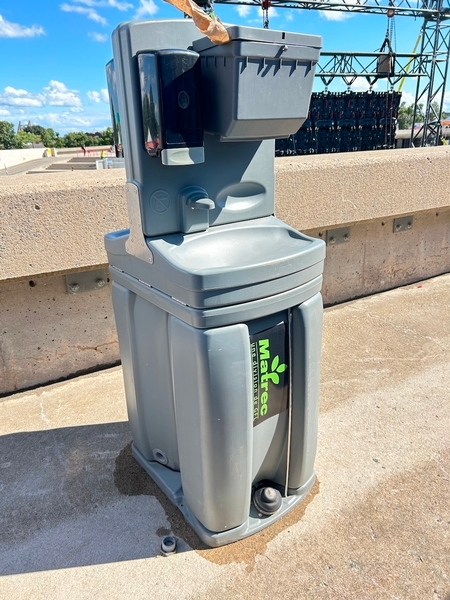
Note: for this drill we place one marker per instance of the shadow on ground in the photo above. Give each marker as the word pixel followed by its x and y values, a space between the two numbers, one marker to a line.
pixel 76 496
pixel 60 506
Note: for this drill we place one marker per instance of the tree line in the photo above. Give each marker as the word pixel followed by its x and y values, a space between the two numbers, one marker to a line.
pixel 406 113
pixel 35 134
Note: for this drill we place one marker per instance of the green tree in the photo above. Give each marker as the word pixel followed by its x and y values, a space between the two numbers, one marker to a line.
pixel 58 141
pixel 92 139
pixel 76 139
pixel 107 137
pixel 49 138
pixel 8 138
pixel 35 129
pixel 435 106
pixel 25 139
pixel 405 116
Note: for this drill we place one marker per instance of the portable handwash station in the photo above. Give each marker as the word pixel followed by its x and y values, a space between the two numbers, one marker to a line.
pixel 217 302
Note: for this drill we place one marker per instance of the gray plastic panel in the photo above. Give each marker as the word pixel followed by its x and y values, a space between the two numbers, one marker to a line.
pixel 268 36
pixel 232 189
pixel 144 351
pixel 221 454
pixel 170 481
pixel 269 441
pixel 258 51
pixel 307 339
pixel 257 86
pixel 225 265
pixel 213 403
pixel 224 315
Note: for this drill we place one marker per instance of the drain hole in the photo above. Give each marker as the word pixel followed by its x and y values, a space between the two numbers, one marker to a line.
pixel 160 456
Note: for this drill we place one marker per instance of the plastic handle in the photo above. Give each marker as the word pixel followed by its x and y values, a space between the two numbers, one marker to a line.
pixel 196 197
pixel 201 203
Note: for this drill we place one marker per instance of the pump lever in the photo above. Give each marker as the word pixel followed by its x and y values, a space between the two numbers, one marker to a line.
pixel 202 203
pixel 197 198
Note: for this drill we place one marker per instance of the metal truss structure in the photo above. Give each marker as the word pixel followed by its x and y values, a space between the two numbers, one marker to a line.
pixel 429 100
pixel 430 66
pixel 370 65
pixel 409 8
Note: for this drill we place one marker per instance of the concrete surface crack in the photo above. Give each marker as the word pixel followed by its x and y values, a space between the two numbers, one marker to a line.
pixel 43 415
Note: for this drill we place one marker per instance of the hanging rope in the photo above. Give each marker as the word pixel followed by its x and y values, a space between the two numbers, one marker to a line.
pixel 265 5
pixel 386 57
pixel 387 44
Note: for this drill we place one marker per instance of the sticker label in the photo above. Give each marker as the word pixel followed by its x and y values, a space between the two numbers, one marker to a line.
pixel 270 372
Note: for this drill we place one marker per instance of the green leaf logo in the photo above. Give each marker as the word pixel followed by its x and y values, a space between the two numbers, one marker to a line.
pixel 275 362
pixel 276 368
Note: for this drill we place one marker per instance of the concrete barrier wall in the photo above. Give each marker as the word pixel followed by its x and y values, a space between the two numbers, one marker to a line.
pixel 11 158
pixel 53 225
pixel 329 189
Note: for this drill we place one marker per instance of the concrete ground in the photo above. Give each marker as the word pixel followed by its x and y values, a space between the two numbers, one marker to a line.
pixel 39 163
pixel 79 519
pixel 63 162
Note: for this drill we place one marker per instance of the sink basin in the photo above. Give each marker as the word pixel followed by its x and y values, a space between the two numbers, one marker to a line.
pixel 235 254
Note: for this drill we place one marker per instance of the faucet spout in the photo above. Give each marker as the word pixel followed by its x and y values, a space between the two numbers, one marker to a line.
pixel 201 204
pixel 195 208
pixel 196 198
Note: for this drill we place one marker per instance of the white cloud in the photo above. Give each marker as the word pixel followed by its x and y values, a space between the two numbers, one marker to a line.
pixel 65 121
pixel 243 10
pixel 89 12
pixel 98 37
pixel 107 3
pixel 289 15
pixel 63 118
pixel 14 30
pixel 119 5
pixel 410 99
pixel 55 94
pixel 362 85
pixel 94 96
pixel 254 15
pixel 147 8
pixel 446 106
pixel 14 97
pixel 336 15
pixel 95 117
pixel 101 96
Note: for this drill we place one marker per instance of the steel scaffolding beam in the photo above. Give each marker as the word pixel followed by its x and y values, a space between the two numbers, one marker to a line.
pixel 430 91
pixel 408 8
pixel 371 65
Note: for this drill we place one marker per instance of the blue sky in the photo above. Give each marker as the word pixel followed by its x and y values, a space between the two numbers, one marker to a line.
pixel 53 53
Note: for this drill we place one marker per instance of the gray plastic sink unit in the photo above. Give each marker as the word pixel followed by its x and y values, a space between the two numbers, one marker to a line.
pixel 224 265
pixel 217 302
